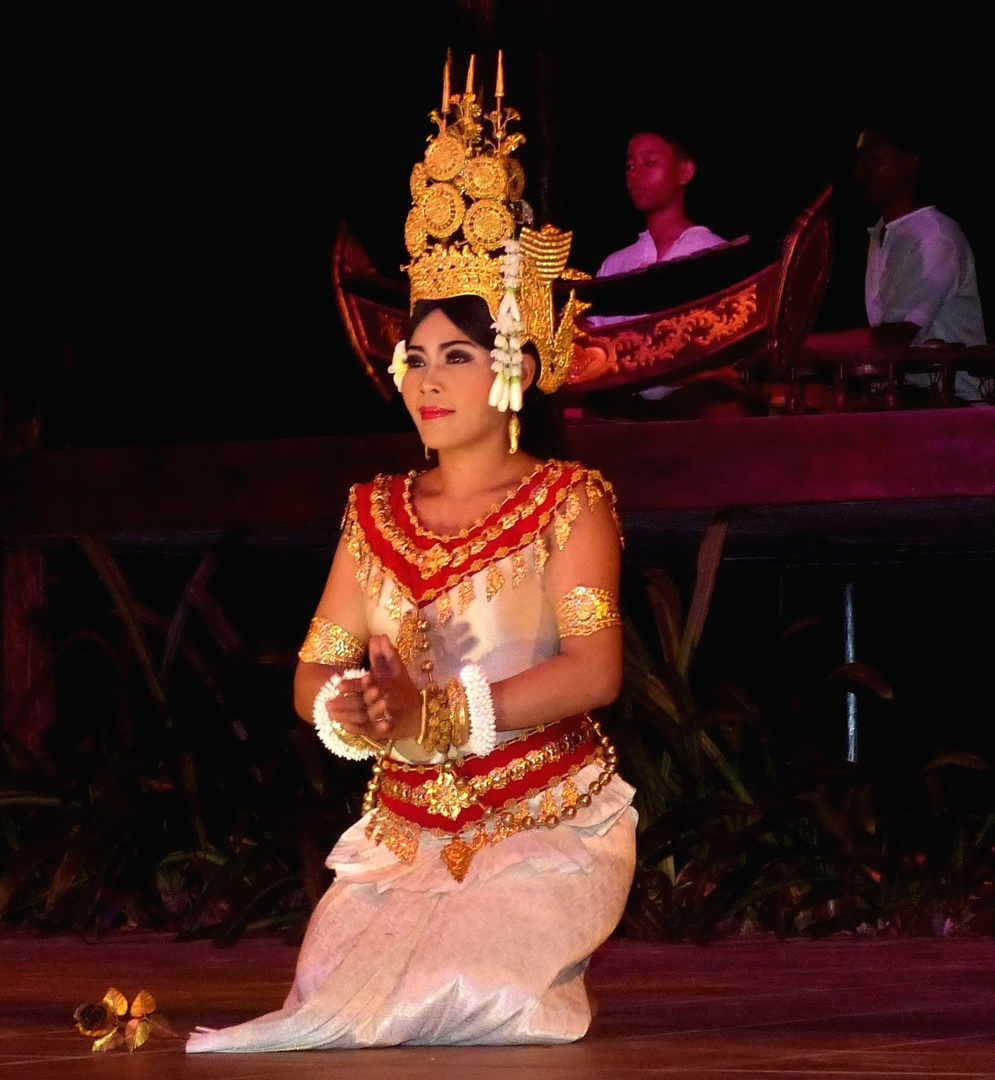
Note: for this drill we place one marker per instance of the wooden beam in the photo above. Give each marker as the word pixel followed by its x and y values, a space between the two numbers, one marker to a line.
pixel 779 461
pixel 938 454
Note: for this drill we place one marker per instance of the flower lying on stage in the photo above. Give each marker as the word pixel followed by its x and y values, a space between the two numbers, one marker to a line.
pixel 105 1021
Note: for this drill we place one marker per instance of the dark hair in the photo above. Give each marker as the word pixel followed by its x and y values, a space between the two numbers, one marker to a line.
pixel 469 313
pixel 909 129
pixel 541 415
pixel 911 134
pixel 679 133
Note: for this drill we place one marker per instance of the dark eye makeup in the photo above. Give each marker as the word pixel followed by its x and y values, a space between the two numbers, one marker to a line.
pixel 452 354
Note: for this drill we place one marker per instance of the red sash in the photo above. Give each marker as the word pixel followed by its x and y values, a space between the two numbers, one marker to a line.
pixel 479 786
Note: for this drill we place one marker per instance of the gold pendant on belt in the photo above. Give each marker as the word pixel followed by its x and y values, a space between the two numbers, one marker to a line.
pixel 447 794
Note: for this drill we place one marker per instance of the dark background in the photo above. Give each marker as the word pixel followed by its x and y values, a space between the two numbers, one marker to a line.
pixel 175 176
pixel 173 180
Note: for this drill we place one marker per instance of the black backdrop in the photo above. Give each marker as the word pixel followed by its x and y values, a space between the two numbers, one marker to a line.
pixel 177 175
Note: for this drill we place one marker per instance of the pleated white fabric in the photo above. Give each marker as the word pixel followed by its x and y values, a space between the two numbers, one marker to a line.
pixel 400 953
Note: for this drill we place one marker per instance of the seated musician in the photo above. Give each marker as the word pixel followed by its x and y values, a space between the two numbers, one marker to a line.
pixel 920 285
pixel 659 166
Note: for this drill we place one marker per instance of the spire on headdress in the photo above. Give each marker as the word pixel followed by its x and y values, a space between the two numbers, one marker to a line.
pixel 446 92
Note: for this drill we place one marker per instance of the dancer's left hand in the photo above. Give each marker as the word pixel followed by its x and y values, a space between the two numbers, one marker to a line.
pixel 393 702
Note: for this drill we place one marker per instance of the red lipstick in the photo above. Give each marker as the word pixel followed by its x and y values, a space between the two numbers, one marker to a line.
pixel 433 412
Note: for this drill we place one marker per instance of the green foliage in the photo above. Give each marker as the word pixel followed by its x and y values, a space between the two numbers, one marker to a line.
pixel 179 790
pixel 746 826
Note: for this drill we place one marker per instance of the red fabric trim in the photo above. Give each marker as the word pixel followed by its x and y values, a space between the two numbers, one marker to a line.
pixel 555 476
pixel 479 766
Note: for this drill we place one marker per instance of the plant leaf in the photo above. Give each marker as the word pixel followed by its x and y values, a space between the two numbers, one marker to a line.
pixel 660 694
pixel 40 845
pixel 805 623
pixel 136 1033
pixel 116 1001
pixel 709 558
pixel 665 601
pixel 10 799
pixel 143 1005
pixel 956 757
pixel 729 772
pixel 110 1041
pixel 69 866
pixel 100 557
pixel 159 1025
pixel 859 674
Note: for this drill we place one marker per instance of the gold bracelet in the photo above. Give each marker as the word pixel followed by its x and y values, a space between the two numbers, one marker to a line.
pixel 459 711
pixel 424 716
pixel 331 732
pixel 436 733
pixel 328 643
pixel 440 722
pixel 584 611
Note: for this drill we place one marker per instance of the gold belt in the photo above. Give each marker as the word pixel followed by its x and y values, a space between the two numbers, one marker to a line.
pixel 483 800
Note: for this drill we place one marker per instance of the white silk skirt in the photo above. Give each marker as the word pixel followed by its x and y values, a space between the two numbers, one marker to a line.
pixel 401 953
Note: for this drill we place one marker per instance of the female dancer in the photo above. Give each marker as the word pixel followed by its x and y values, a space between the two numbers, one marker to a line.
pixel 497 847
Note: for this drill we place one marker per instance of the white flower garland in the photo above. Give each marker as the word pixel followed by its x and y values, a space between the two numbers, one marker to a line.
pixel 480 705
pixel 506 390
pixel 329 732
pixel 399 364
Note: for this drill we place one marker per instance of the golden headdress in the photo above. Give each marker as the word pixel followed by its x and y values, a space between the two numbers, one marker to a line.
pixel 470 232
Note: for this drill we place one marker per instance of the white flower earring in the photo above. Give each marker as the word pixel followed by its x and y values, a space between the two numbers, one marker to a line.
pixel 506 356
pixel 506 390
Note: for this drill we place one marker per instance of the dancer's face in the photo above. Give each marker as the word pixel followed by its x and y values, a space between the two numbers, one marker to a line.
pixel 447 385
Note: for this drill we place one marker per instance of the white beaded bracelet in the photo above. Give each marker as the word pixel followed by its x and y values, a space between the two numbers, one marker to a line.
pixel 331 733
pixel 480 706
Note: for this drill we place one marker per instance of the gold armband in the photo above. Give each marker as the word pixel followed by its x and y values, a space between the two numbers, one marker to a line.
pixel 584 611
pixel 328 643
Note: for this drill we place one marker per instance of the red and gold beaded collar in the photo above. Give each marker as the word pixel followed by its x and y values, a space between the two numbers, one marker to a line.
pixel 383 532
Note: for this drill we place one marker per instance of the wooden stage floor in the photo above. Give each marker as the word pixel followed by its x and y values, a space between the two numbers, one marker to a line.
pixel 849 1007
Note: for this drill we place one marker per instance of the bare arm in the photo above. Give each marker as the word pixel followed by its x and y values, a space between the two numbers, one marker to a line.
pixel 342 602
pixel 587 672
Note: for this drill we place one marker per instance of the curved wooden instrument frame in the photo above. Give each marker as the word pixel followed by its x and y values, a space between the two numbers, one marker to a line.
pixel 763 316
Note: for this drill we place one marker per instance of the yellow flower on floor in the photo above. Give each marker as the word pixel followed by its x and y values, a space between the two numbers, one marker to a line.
pixel 104 1021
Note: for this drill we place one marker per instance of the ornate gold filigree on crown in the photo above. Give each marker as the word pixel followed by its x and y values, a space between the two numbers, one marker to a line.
pixel 467 206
